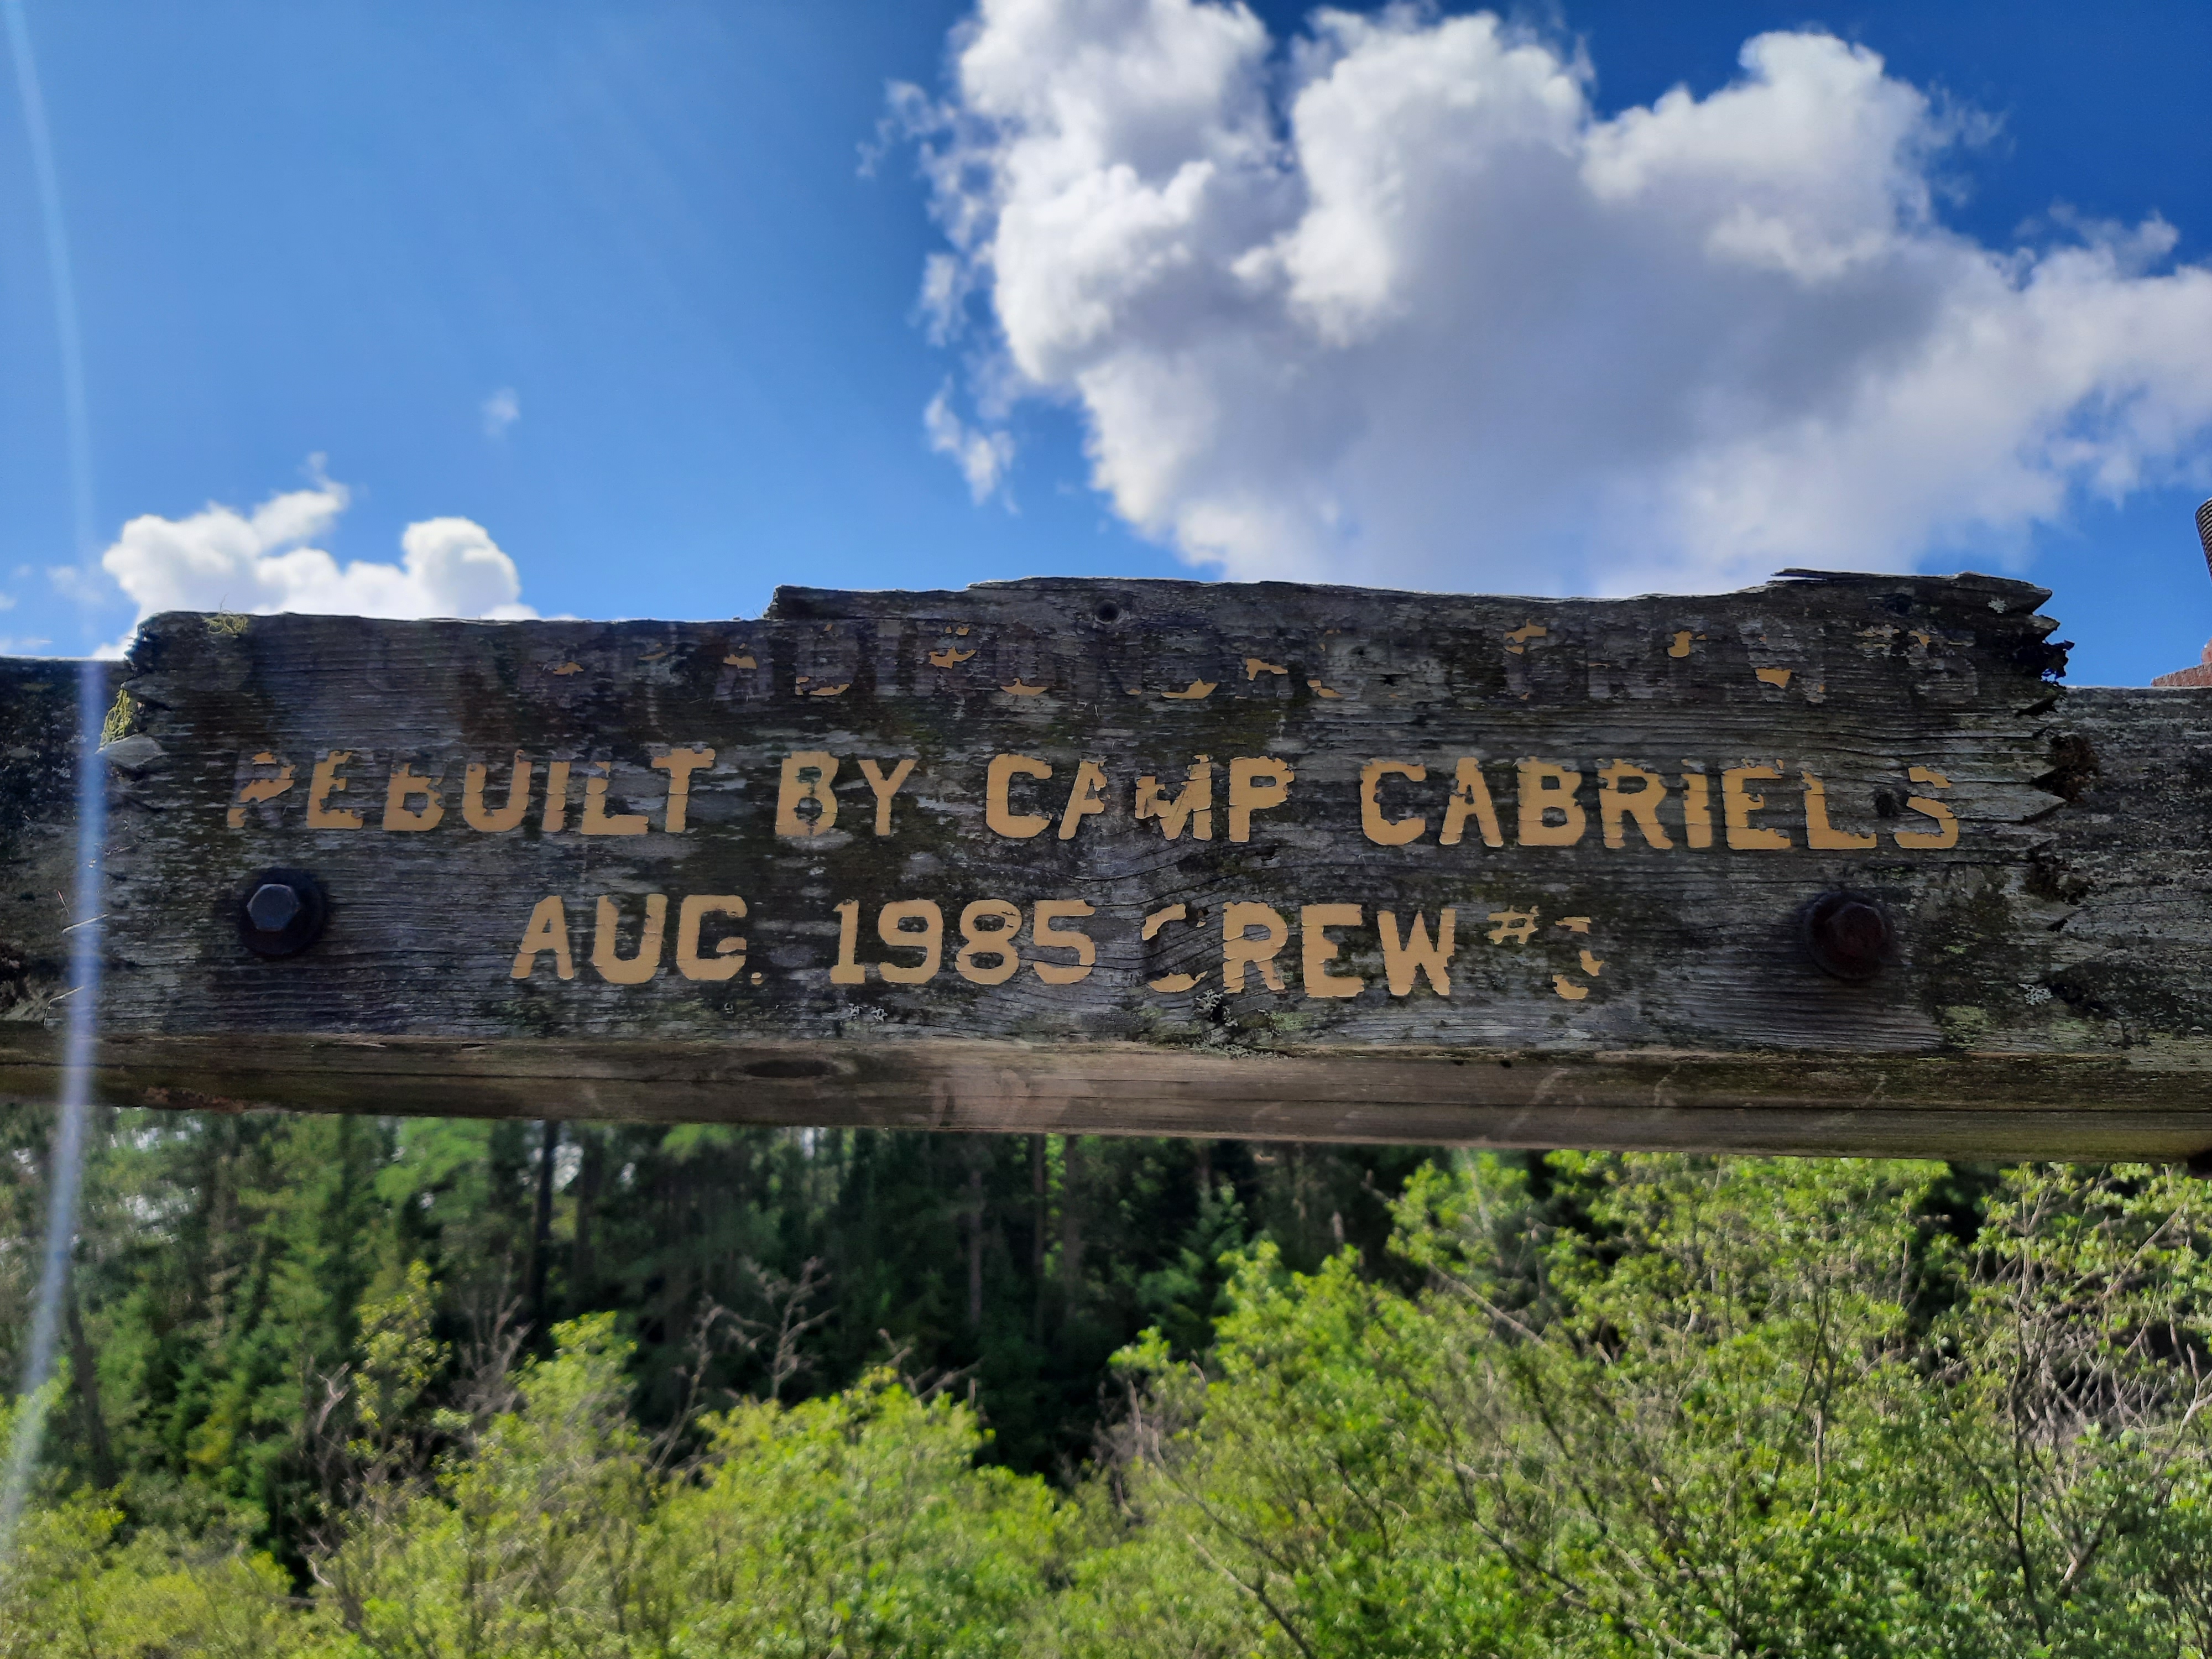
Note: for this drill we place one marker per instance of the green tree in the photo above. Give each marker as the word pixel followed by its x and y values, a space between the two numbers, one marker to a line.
pixel 1741 1407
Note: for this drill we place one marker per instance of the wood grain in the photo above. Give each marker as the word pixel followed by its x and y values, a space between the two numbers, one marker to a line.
pixel 2042 997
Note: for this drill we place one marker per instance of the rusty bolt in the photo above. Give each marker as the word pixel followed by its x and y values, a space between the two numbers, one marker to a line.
pixel 1848 935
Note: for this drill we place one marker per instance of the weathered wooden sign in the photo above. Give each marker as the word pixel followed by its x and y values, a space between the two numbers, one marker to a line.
pixel 1828 864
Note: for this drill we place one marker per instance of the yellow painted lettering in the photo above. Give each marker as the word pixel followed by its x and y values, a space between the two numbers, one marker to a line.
pixel 326 782
pixel 1547 787
pixel 1738 803
pixel 548 931
pixel 927 936
pixel 849 970
pixel 260 789
pixel 1254 785
pixel 1404 961
pixel 1159 919
pixel 1240 948
pixel 729 951
pixel 597 820
pixel 1697 810
pixel 634 970
pixel 403 787
pixel 1470 798
pixel 1388 832
pixel 1514 926
pixel 479 815
pixel 1086 796
pixel 1946 832
pixel 556 797
pixel 1318 950
pixel 1821 836
pixel 807 776
pixel 1050 938
pixel 1194 805
pixel 885 785
pixel 996 941
pixel 998 812
pixel 1615 805
pixel 680 764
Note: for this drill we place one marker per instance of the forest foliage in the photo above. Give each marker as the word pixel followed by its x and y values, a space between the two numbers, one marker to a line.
pixel 424 1390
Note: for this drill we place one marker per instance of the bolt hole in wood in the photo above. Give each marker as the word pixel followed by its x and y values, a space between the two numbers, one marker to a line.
pixel 788 1070
pixel 1848 935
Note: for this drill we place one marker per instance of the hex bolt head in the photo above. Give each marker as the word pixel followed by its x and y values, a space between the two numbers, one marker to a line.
pixel 281 913
pixel 1848 935
pixel 272 906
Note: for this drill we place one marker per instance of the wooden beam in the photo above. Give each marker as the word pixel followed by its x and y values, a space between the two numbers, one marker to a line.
pixel 1832 865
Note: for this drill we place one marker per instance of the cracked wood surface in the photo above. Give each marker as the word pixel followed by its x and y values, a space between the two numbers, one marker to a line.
pixel 776 858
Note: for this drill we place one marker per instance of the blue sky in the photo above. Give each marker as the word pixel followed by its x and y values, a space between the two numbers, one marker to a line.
pixel 367 232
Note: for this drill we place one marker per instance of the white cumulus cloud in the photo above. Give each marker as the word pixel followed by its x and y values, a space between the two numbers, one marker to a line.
pixel 501 410
pixel 219 558
pixel 1396 304
pixel 981 456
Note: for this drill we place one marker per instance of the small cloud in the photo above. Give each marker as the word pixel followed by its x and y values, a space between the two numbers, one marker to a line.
pixel 77 584
pixel 945 283
pixel 982 456
pixel 909 115
pixel 7 601
pixel 221 559
pixel 501 410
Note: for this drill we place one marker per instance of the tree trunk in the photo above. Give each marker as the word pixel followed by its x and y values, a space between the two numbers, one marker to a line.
pixel 1040 1214
pixel 541 1232
pixel 589 1173
pixel 1071 1219
pixel 84 1367
pixel 975 1244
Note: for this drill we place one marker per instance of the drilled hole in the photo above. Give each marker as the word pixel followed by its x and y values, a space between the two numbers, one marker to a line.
pixel 788 1070
pixel 1110 613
